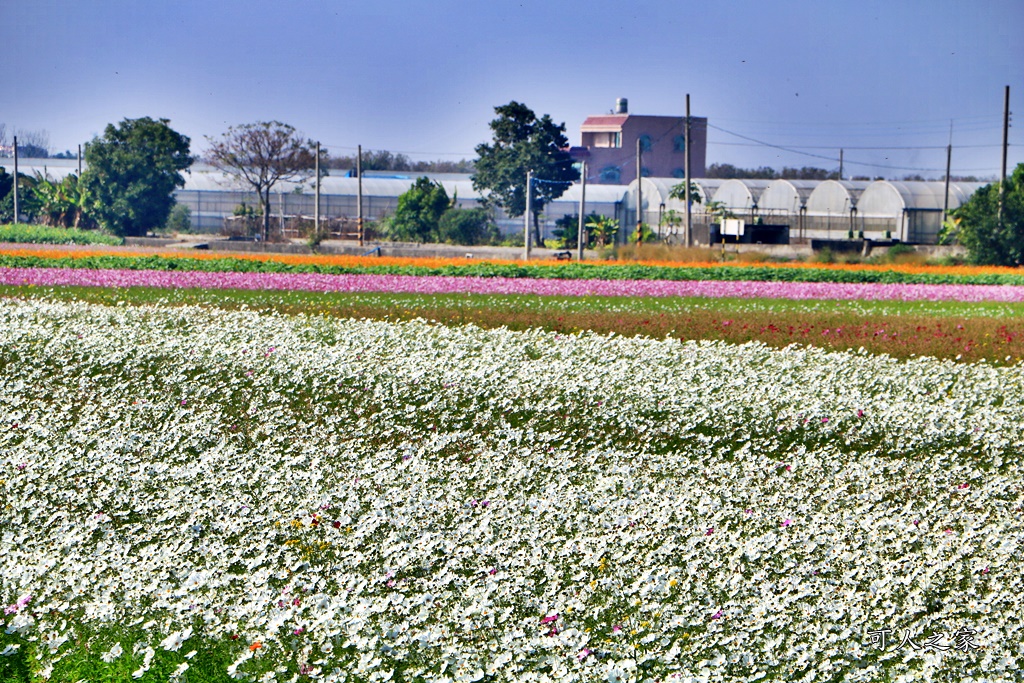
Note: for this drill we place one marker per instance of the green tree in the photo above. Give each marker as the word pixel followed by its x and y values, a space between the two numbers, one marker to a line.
pixel 523 143
pixel 601 229
pixel 567 230
pixel 419 212
pixel 28 203
pixel 262 154
pixel 62 202
pixel 678 191
pixel 467 226
pixel 6 183
pixel 976 224
pixel 133 171
pixel 180 219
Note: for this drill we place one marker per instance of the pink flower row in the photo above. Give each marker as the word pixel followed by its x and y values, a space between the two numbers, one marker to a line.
pixel 497 285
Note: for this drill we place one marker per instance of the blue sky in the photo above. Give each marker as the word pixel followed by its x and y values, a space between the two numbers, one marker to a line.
pixel 423 77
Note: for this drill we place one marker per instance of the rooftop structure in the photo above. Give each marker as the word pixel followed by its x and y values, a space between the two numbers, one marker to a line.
pixel 608 144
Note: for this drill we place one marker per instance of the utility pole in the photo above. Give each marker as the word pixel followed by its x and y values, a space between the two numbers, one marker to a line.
pixel 688 229
pixel 15 178
pixel 359 193
pixel 316 201
pixel 949 160
pixel 526 225
pixel 1006 143
pixel 79 161
pixel 639 193
pixel 583 210
pixel 840 164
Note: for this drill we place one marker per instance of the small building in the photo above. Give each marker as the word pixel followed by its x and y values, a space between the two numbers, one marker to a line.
pixel 608 145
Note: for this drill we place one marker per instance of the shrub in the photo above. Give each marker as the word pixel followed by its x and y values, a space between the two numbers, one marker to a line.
pixel 466 226
pixel 41 234
pixel 179 220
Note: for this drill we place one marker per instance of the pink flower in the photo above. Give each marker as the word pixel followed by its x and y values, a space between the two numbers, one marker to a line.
pixel 860 413
pixel 949 531
pixel 584 653
pixel 616 628
pixel 985 570
pixel 548 620
pixel 787 522
pixel 298 631
pixel 749 511
pixel 718 615
pixel 963 486
pixel 709 531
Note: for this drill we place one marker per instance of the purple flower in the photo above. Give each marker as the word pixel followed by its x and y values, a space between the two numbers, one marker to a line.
pixel 498 285
pixel 718 615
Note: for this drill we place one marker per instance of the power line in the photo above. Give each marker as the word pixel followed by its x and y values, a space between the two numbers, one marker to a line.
pixel 885 148
pixel 792 150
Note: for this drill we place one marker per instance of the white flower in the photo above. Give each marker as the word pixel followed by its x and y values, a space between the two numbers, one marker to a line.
pixel 113 653
pixel 173 642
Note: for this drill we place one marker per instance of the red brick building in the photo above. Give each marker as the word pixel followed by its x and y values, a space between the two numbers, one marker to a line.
pixel 609 146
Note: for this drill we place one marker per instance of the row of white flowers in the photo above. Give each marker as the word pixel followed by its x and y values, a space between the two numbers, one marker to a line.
pixel 371 501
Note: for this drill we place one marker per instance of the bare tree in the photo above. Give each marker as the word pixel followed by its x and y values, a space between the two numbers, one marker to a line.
pixel 262 154
pixel 33 143
pixel 3 134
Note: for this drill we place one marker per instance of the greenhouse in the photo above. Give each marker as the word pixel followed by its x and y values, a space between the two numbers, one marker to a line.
pixel 909 211
pixel 806 209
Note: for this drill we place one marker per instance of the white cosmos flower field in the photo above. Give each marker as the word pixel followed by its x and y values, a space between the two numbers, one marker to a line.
pixel 376 501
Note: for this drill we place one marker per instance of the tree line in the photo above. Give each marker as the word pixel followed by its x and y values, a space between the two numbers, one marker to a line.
pixel 134 168
pixel 383 160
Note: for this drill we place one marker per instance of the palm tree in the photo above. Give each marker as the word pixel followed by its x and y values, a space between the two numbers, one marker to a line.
pixel 602 229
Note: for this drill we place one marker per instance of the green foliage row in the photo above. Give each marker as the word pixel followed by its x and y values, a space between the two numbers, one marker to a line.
pixel 42 234
pixel 574 271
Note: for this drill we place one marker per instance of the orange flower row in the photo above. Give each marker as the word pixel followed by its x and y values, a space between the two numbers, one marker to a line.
pixel 436 262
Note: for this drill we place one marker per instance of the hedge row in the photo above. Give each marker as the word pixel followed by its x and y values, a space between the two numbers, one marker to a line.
pixel 41 234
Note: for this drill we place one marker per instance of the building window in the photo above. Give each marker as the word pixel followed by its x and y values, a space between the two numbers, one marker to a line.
pixel 679 173
pixel 603 140
pixel 645 143
pixel 679 143
pixel 611 174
